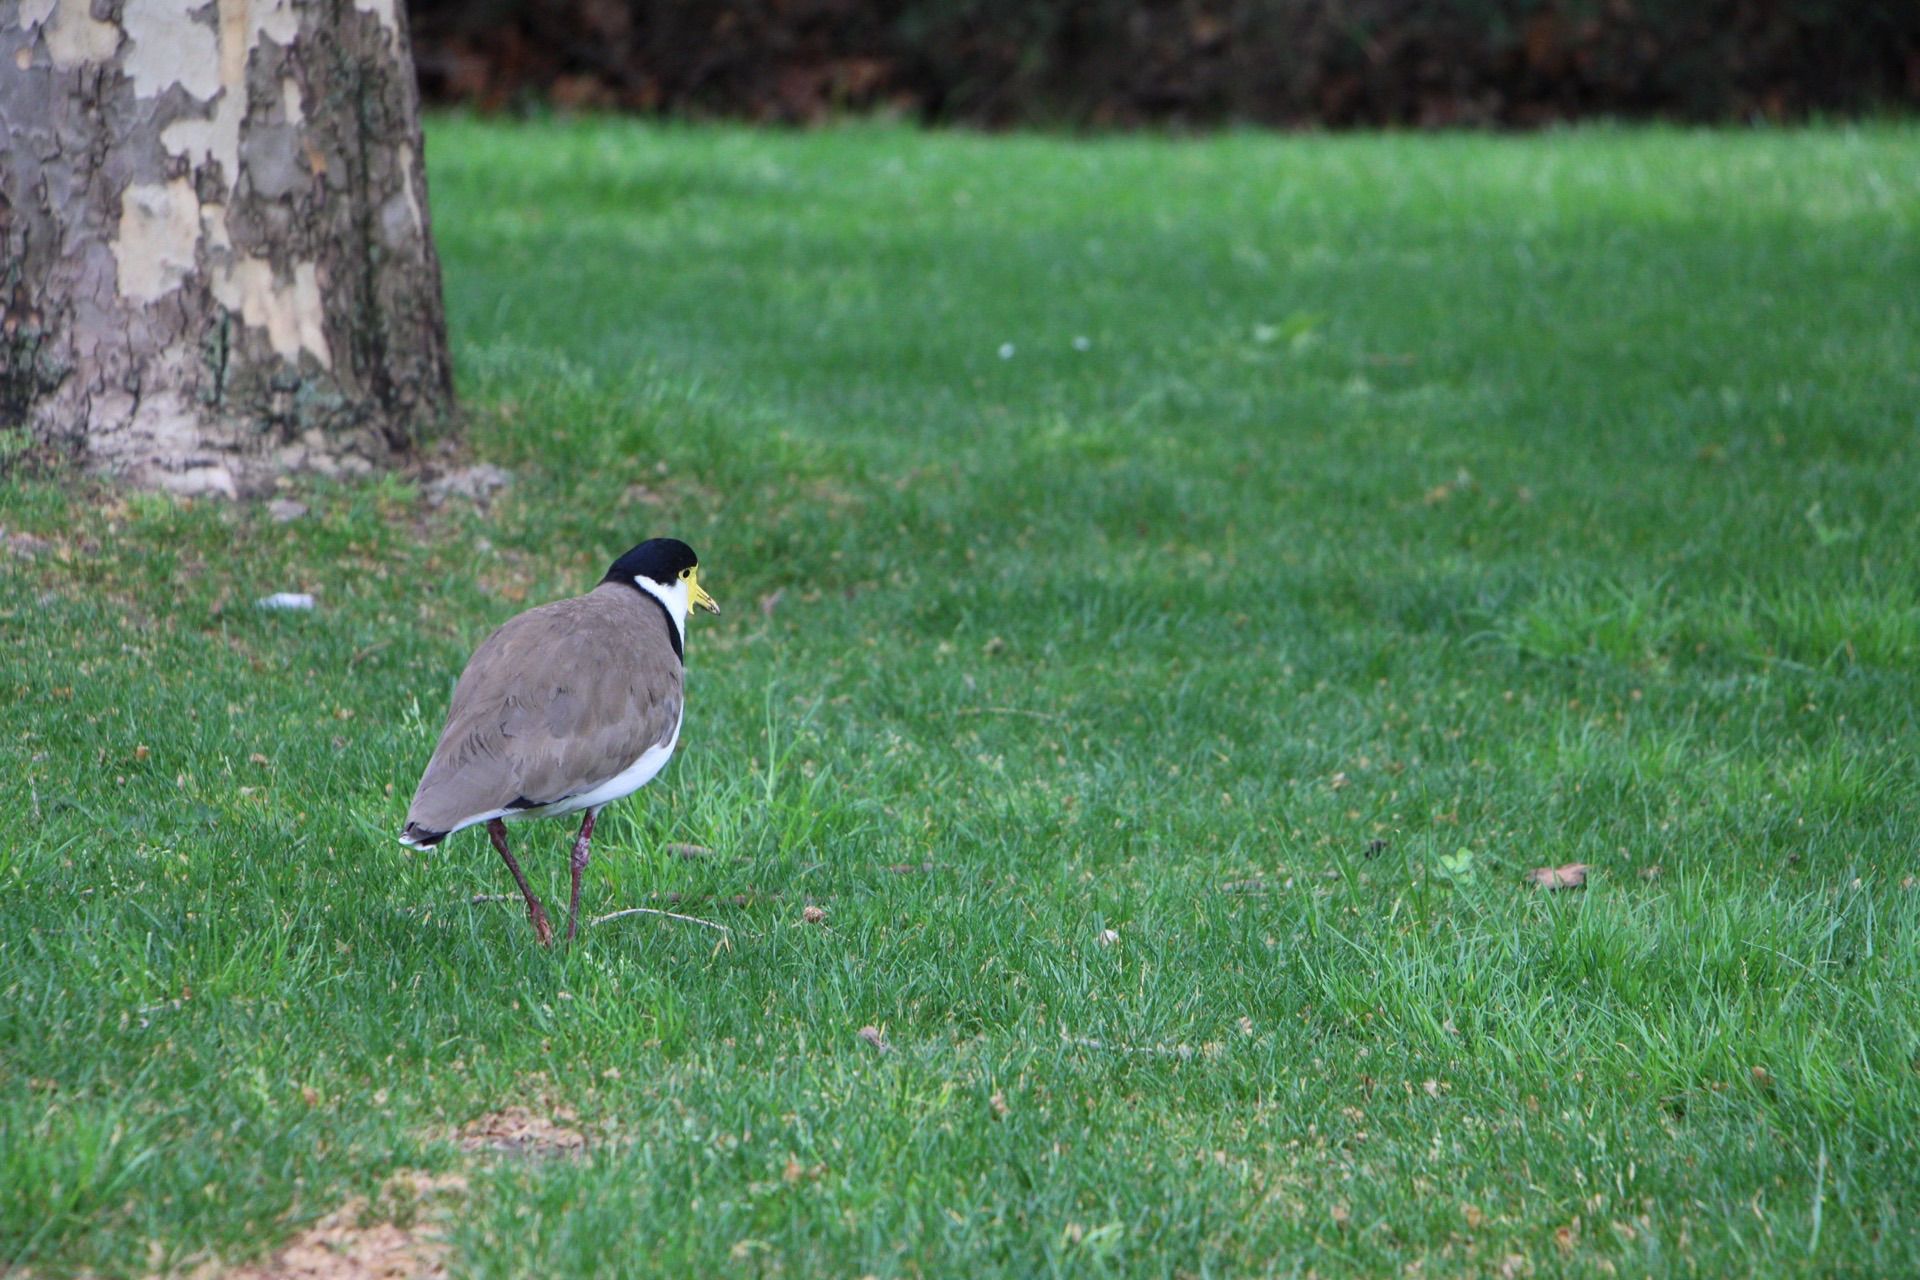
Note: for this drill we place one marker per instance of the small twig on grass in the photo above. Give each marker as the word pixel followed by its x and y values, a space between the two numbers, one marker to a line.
pixel 361 655
pixel 655 911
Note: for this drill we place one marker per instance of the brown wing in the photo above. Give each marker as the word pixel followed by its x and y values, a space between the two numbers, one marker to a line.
pixel 557 701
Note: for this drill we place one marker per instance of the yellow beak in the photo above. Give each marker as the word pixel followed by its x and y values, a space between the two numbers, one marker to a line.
pixel 697 594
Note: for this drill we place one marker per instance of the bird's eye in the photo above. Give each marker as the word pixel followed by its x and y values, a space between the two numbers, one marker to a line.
pixel 686 573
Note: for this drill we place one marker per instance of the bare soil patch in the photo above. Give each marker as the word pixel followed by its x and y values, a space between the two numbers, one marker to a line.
pixel 362 1241
pixel 522 1132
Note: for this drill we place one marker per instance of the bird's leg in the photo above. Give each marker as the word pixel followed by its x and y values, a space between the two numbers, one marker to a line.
pixel 582 853
pixel 535 912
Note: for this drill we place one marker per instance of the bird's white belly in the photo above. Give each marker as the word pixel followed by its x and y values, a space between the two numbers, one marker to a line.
pixel 626 782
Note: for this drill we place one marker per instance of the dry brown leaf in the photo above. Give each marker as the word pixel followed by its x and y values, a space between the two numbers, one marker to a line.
pixel 1571 876
pixel 873 1037
pixel 1475 1216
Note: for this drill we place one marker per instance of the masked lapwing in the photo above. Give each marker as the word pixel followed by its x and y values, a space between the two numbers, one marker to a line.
pixel 564 709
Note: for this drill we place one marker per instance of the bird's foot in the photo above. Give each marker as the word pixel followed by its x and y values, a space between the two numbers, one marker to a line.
pixel 541 928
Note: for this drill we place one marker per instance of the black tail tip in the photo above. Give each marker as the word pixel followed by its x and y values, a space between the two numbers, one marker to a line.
pixel 416 836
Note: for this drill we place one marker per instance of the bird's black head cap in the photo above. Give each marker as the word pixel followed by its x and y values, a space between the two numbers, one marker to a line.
pixel 660 559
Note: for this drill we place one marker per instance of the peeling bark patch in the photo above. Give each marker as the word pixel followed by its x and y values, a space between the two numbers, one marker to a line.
pixel 400 220
pixel 74 38
pixel 381 9
pixel 274 19
pixel 214 139
pixel 170 48
pixel 274 159
pixel 292 315
pixel 213 218
pixel 159 230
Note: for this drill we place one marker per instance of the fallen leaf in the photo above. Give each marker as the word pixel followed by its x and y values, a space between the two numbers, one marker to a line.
pixel 998 1102
pixel 873 1037
pixel 1474 1216
pixel 813 915
pixel 1571 876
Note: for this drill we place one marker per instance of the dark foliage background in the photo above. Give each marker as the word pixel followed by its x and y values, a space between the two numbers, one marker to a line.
pixel 1280 62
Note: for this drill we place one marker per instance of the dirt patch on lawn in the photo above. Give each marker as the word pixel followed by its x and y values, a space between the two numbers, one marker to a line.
pixel 399 1234
pixel 524 1133
pixel 362 1241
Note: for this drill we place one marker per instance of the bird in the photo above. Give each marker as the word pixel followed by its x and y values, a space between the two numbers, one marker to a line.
pixel 564 709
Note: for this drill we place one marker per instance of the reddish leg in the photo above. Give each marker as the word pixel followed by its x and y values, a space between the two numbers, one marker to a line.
pixel 582 853
pixel 535 912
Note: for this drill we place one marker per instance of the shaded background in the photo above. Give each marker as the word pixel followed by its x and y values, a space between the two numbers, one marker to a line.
pixel 1129 62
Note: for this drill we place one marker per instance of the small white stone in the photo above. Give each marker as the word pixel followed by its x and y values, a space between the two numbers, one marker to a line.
pixel 1006 351
pixel 1083 343
pixel 294 600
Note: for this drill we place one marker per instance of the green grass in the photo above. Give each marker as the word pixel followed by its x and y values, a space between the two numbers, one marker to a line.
pixel 1504 501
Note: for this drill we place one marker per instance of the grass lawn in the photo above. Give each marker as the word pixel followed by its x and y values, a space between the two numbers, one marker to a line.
pixel 1175 590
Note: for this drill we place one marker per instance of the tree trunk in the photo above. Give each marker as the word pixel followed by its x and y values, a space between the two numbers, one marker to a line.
pixel 218 265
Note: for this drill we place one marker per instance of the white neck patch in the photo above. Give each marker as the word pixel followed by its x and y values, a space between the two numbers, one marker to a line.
pixel 675 600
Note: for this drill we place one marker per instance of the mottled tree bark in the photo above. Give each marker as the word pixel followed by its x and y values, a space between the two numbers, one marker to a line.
pixel 217 260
